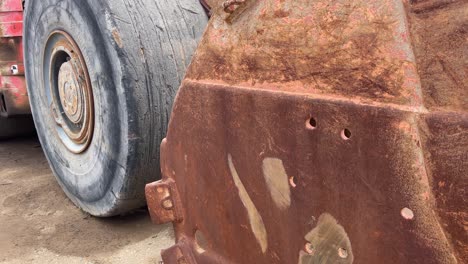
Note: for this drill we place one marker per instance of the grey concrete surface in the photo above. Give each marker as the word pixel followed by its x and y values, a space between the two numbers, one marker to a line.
pixel 38 224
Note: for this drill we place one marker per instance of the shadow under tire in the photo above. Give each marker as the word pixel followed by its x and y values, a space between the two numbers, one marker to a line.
pixel 102 76
pixel 17 126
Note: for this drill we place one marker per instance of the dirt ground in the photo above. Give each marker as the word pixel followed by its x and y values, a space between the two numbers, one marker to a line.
pixel 38 224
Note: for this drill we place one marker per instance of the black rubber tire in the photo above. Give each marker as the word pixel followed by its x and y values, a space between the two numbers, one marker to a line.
pixel 137 53
pixel 16 126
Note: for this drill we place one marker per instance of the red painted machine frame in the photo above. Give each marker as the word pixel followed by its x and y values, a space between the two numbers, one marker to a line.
pixel 13 92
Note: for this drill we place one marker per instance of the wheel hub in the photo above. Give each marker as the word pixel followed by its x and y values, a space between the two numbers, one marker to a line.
pixel 70 94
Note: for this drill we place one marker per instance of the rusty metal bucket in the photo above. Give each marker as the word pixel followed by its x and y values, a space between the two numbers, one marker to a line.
pixel 311 131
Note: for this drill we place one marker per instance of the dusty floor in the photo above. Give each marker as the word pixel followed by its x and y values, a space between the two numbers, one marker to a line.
pixel 38 224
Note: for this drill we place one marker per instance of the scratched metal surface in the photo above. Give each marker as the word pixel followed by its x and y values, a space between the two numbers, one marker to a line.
pixel 321 132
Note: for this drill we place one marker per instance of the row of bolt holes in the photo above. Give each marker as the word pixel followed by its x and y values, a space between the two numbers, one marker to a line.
pixel 309 248
pixel 311 124
pixel 345 135
pixel 342 252
pixel 200 243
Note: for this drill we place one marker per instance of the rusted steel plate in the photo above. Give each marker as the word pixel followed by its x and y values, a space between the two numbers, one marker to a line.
pixel 445 137
pixel 420 6
pixel 439 30
pixel 234 169
pixel 303 134
pixel 441 48
pixel 355 49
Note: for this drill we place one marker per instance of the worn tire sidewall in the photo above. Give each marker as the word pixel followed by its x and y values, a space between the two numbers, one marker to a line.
pixel 91 179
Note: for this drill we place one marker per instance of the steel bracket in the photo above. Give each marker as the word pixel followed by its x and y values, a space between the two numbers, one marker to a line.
pixel 163 202
pixel 178 254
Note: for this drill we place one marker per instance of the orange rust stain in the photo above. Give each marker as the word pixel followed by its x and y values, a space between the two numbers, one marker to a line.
pixel 117 38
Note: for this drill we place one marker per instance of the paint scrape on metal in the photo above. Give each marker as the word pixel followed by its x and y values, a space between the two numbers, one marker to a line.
pixel 277 182
pixel 329 243
pixel 256 221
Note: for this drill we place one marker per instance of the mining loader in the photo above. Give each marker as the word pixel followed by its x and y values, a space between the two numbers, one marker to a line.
pixel 274 131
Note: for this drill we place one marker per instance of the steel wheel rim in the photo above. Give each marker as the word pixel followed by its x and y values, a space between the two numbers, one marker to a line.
pixel 68 91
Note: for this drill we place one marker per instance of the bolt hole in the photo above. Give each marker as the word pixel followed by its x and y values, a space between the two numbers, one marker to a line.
pixel 14 69
pixel 343 253
pixel 346 134
pixel 167 204
pixel 311 123
pixel 407 213
pixel 293 181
